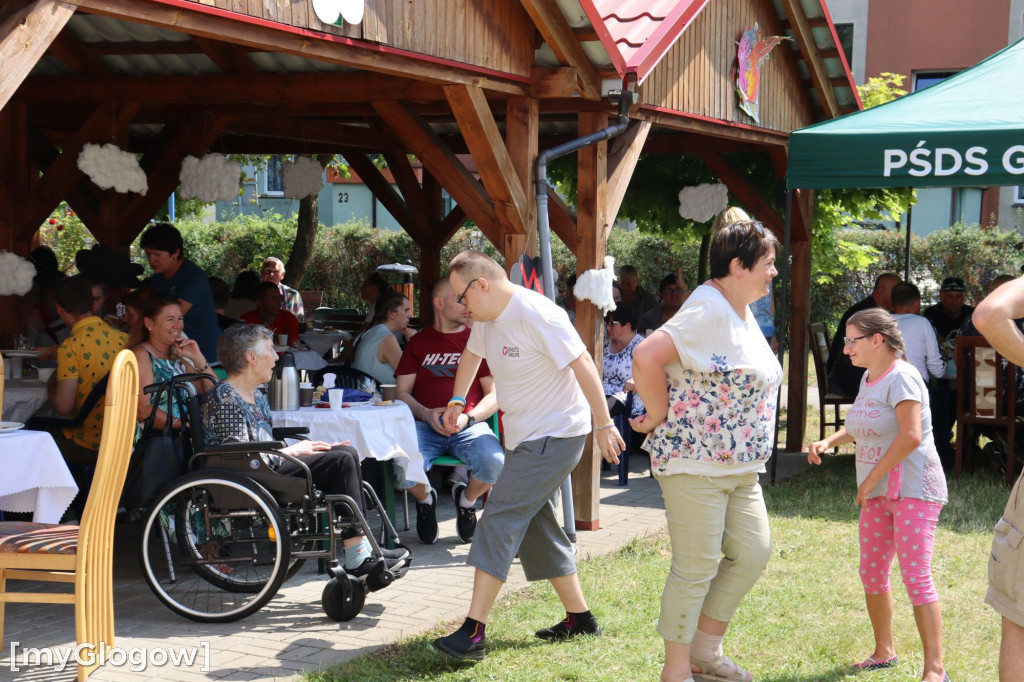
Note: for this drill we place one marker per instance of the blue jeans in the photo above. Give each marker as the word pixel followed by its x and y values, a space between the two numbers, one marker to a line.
pixel 476 447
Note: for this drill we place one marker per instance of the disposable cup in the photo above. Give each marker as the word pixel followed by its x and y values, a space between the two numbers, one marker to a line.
pixel 388 392
pixel 336 396
pixel 45 372
pixel 305 396
pixel 282 339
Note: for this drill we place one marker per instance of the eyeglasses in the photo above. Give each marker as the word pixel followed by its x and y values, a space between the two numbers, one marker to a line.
pixel 849 341
pixel 674 290
pixel 461 298
pixel 611 323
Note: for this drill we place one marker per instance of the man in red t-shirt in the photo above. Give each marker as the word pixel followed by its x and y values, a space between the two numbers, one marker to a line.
pixel 426 379
pixel 269 313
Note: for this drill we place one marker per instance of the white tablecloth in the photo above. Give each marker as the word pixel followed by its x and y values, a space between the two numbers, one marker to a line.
pixel 322 342
pixel 22 399
pixel 35 478
pixel 378 432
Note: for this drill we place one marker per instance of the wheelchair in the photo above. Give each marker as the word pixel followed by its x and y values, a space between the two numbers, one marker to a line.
pixel 219 541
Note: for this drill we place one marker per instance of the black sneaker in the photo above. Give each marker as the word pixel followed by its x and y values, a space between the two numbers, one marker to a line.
pixel 465 519
pixel 392 557
pixel 461 646
pixel 569 628
pixel 426 520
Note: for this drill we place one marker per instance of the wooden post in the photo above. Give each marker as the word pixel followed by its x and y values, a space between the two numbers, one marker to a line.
pixel 799 316
pixel 521 139
pixel 592 228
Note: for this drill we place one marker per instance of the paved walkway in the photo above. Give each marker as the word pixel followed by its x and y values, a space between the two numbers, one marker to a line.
pixel 291 634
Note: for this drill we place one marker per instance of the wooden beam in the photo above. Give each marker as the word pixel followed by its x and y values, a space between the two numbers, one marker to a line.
pixel 622 157
pixel 563 220
pixel 557 33
pixel 812 57
pixel 227 57
pixel 442 163
pixel 147 47
pixel 309 130
pixel 492 159
pixel 76 57
pixel 718 130
pixel 553 82
pixel 522 132
pixel 739 186
pixel 308 44
pixel 24 37
pixel 63 173
pixel 386 194
pixel 447 228
pixel 412 192
pixel 592 226
pixel 266 91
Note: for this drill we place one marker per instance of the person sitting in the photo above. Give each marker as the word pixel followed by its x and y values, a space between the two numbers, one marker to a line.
pixel 291 300
pixel 271 315
pixel 632 293
pixel 221 297
pixel 918 333
pixel 176 275
pixel 426 381
pixel 377 352
pixel 83 359
pixel 243 295
pixel 372 290
pixel 672 291
pixel 237 411
pixel 162 353
pixel 134 307
pixel 617 372
pixel 844 377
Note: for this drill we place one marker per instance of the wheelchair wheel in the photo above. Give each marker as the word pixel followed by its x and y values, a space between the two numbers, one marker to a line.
pixel 343 604
pixel 215 547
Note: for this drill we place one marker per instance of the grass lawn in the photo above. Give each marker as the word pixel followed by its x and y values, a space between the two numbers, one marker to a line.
pixel 805 619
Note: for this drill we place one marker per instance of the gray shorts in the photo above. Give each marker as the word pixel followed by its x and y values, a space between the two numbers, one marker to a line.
pixel 1006 562
pixel 520 512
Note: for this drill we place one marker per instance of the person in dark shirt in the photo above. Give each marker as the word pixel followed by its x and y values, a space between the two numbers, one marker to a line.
pixel 844 378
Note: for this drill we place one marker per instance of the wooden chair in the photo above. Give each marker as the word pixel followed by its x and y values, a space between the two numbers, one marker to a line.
pixel 986 395
pixel 311 300
pixel 81 554
pixel 826 398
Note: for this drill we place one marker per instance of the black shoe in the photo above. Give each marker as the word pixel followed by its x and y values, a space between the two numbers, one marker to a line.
pixel 569 628
pixel 461 646
pixel 426 520
pixel 465 519
pixel 392 557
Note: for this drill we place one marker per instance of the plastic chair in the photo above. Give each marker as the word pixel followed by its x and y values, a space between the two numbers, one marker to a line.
pixel 347 377
pixel 83 554
pixel 826 398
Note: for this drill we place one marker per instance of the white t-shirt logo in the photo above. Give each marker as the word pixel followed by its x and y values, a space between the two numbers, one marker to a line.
pixel 510 351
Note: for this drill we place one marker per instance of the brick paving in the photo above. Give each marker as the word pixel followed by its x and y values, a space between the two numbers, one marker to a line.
pixel 291 634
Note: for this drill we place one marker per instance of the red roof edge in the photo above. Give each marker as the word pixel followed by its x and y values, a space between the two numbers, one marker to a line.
pixel 605 36
pixel 668 32
pixel 842 55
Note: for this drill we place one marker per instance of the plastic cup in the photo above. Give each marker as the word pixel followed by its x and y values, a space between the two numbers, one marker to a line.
pixel 282 339
pixel 336 396
pixel 305 396
pixel 45 372
pixel 388 392
pixel 15 364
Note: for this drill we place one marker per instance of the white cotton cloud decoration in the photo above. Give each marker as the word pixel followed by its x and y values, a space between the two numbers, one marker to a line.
pixel 703 202
pixel 302 177
pixel 211 178
pixel 16 274
pixel 596 286
pixel 110 166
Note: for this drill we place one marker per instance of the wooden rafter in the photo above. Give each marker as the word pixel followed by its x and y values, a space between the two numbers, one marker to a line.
pixel 562 219
pixel 63 174
pixel 385 193
pixel 266 91
pixel 226 29
pixel 442 163
pixel 522 128
pixel 490 155
pixel 25 34
pixel 802 30
pixel 227 57
pixel 739 186
pixel 412 192
pixel 557 33
pixel 317 130
pixel 76 56
pixel 623 154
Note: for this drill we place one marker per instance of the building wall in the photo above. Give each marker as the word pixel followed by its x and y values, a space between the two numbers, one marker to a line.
pixel 854 12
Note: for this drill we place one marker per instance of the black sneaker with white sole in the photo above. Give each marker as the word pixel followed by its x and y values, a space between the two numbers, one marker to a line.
pixel 426 520
pixel 465 519
pixel 392 557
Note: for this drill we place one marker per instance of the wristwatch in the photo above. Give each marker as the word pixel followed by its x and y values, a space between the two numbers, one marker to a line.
pixel 471 420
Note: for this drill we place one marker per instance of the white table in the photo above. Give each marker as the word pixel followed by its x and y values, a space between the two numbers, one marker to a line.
pixel 324 342
pixel 35 478
pixel 22 399
pixel 378 432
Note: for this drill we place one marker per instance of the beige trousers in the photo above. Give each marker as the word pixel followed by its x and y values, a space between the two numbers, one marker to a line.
pixel 721 543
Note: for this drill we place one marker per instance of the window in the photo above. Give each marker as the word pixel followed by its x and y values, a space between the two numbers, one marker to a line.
pixel 273 185
pixel 845 34
pixel 924 79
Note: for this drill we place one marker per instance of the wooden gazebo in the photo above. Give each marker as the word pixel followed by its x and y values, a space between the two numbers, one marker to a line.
pixel 496 79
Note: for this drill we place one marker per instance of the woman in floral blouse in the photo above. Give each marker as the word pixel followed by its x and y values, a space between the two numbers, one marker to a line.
pixel 710 383
pixel 621 340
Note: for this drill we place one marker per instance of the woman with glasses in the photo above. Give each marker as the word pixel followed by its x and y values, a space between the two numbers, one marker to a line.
pixel 900 484
pixel 710 383
pixel 621 340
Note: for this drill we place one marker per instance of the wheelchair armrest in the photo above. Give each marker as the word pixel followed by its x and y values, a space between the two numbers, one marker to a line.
pixel 282 432
pixel 269 446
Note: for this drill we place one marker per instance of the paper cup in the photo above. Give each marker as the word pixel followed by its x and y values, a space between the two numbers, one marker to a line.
pixel 305 396
pixel 45 372
pixel 336 396
pixel 282 339
pixel 15 364
pixel 388 392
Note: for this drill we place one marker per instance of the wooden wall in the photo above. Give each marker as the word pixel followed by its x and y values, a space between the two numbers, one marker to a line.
pixel 695 74
pixel 496 34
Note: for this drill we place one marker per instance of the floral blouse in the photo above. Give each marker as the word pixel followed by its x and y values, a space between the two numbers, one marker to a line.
pixel 227 418
pixel 617 368
pixel 722 393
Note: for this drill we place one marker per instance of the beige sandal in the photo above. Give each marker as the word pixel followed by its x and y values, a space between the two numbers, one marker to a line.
pixel 722 669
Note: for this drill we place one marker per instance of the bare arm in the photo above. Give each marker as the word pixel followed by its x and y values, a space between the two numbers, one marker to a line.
pixel 649 361
pixel 62 394
pixel 608 440
pixel 389 351
pixel 994 318
pixel 908 416
pixel 814 450
pixel 469 364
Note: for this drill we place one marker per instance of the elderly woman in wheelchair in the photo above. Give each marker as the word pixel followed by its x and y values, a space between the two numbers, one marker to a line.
pixel 219 542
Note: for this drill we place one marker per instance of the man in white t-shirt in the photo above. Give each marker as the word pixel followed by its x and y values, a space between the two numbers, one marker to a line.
pixel 918 333
pixel 545 382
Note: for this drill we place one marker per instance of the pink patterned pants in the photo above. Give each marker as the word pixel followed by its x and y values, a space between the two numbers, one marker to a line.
pixel 906 528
